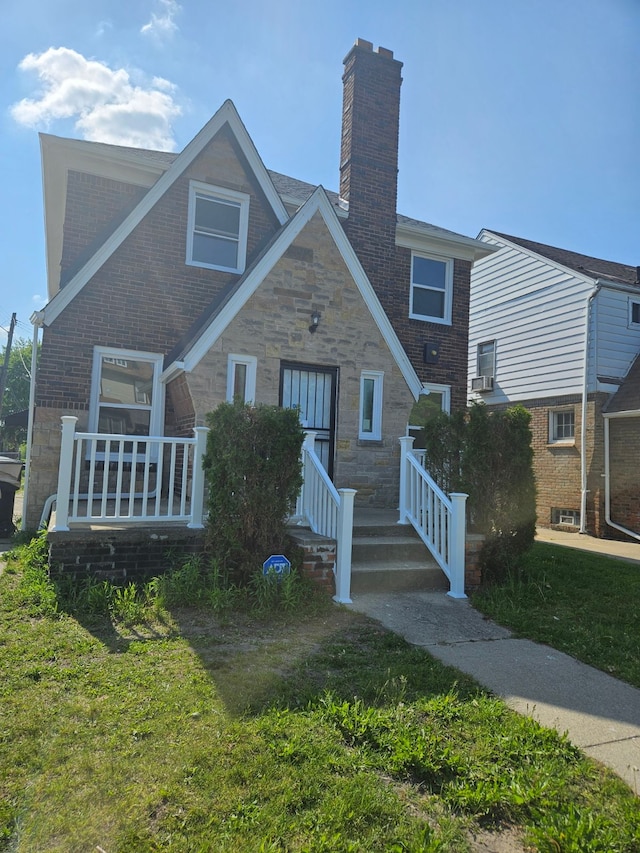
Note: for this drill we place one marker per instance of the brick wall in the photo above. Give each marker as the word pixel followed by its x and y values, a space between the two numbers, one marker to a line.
pixel 557 467
pixel 368 180
pixel 624 443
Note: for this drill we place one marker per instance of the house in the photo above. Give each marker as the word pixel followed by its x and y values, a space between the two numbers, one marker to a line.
pixel 559 333
pixel 178 281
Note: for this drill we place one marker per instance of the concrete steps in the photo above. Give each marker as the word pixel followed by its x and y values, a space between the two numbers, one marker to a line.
pixel 391 557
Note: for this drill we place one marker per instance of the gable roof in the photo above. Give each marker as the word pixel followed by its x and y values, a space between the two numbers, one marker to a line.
pixel 627 397
pixel 208 329
pixel 583 264
pixel 227 114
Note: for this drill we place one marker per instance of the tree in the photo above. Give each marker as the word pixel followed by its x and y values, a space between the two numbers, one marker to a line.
pixel 16 394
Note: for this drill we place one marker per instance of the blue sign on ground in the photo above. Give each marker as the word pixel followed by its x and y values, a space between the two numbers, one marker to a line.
pixel 278 564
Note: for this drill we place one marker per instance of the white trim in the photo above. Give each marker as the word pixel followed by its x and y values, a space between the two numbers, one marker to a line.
pixel 251 363
pixel 445 390
pixel 631 322
pixel 447 292
pixel 227 114
pixel 156 408
pixel 317 203
pixel 430 238
pixel 375 433
pixel 215 193
pixel 553 425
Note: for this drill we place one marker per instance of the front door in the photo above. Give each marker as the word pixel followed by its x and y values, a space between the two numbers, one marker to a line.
pixel 312 390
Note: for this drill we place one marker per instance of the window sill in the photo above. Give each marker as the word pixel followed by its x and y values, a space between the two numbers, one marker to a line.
pixel 569 443
pixel 369 442
pixel 442 321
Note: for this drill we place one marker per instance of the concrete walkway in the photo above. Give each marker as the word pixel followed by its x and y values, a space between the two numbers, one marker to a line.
pixel 600 714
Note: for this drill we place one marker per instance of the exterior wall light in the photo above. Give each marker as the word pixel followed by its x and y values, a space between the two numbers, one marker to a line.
pixel 315 319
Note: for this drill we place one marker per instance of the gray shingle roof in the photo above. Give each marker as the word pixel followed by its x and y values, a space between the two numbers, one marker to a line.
pixel 585 264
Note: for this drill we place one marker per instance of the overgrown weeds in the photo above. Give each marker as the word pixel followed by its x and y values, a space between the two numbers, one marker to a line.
pixel 316 733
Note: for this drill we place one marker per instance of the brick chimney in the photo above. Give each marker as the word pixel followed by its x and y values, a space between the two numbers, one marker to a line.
pixel 369 154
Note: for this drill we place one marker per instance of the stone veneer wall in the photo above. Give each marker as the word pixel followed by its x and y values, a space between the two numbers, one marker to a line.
pixel 273 326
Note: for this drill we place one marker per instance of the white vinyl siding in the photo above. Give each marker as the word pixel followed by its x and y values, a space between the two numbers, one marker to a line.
pixel 537 312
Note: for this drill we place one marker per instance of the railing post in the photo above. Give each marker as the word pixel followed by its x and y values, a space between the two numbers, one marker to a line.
pixel 343 546
pixel 308 444
pixel 458 535
pixel 65 467
pixel 197 482
pixel 406 446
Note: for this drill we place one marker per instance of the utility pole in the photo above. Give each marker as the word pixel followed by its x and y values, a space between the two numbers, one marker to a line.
pixel 5 366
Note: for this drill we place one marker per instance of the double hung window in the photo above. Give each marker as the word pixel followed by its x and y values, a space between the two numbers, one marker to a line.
pixel 431 288
pixel 126 393
pixel 217 228
pixel 562 426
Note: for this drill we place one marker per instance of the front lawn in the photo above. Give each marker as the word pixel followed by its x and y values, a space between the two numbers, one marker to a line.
pixel 315 731
pixel 580 603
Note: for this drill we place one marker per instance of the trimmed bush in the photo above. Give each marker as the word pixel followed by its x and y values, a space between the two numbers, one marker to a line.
pixel 488 455
pixel 254 475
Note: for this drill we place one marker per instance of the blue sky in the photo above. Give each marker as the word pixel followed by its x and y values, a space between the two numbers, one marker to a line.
pixel 518 115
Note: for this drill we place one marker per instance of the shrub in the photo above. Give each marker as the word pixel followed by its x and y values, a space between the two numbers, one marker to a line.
pixel 254 475
pixel 488 455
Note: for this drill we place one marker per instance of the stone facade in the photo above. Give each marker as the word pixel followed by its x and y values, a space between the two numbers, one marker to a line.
pixel 273 326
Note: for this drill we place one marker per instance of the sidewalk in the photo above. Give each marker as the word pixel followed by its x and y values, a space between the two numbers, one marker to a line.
pixel 600 714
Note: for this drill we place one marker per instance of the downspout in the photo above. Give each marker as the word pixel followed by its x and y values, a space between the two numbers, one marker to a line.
pixel 583 425
pixel 607 476
pixel 37 320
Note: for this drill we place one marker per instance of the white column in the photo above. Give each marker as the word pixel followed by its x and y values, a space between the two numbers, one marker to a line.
pixel 343 546
pixel 458 536
pixel 197 483
pixel 406 446
pixel 64 472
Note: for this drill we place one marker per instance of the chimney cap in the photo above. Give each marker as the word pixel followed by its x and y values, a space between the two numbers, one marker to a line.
pixel 363 44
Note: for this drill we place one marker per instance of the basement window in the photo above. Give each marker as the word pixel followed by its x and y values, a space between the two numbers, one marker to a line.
pixel 568 517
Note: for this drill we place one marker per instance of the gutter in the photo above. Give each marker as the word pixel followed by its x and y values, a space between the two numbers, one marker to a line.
pixel 607 474
pixel 37 320
pixel 583 426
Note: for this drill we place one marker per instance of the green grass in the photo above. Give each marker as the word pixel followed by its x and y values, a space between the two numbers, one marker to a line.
pixel 580 603
pixel 307 731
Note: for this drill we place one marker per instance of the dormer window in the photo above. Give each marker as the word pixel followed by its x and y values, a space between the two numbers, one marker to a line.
pixel 431 288
pixel 217 228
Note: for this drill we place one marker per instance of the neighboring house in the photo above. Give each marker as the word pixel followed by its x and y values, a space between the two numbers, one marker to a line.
pixel 559 332
pixel 178 281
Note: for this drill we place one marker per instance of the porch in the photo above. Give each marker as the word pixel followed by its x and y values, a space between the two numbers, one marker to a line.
pixel 124 501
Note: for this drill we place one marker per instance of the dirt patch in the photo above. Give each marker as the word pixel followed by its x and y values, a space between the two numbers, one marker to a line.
pixel 506 840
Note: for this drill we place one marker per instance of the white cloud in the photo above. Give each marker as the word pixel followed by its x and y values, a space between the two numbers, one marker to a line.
pixel 107 106
pixel 162 25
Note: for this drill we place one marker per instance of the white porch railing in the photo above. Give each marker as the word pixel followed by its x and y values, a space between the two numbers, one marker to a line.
pixel 124 479
pixel 329 512
pixel 440 521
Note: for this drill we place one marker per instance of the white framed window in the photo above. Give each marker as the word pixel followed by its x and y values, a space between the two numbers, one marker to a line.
pixel 634 312
pixel 241 378
pixel 126 394
pixel 433 398
pixel 217 228
pixel 370 420
pixel 562 426
pixel 486 359
pixel 431 288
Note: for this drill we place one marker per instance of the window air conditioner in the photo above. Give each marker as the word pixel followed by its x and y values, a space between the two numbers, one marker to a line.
pixel 482 383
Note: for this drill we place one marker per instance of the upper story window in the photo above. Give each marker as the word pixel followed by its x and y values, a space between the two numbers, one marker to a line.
pixel 431 288
pixel 217 228
pixel 486 359
pixel 634 313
